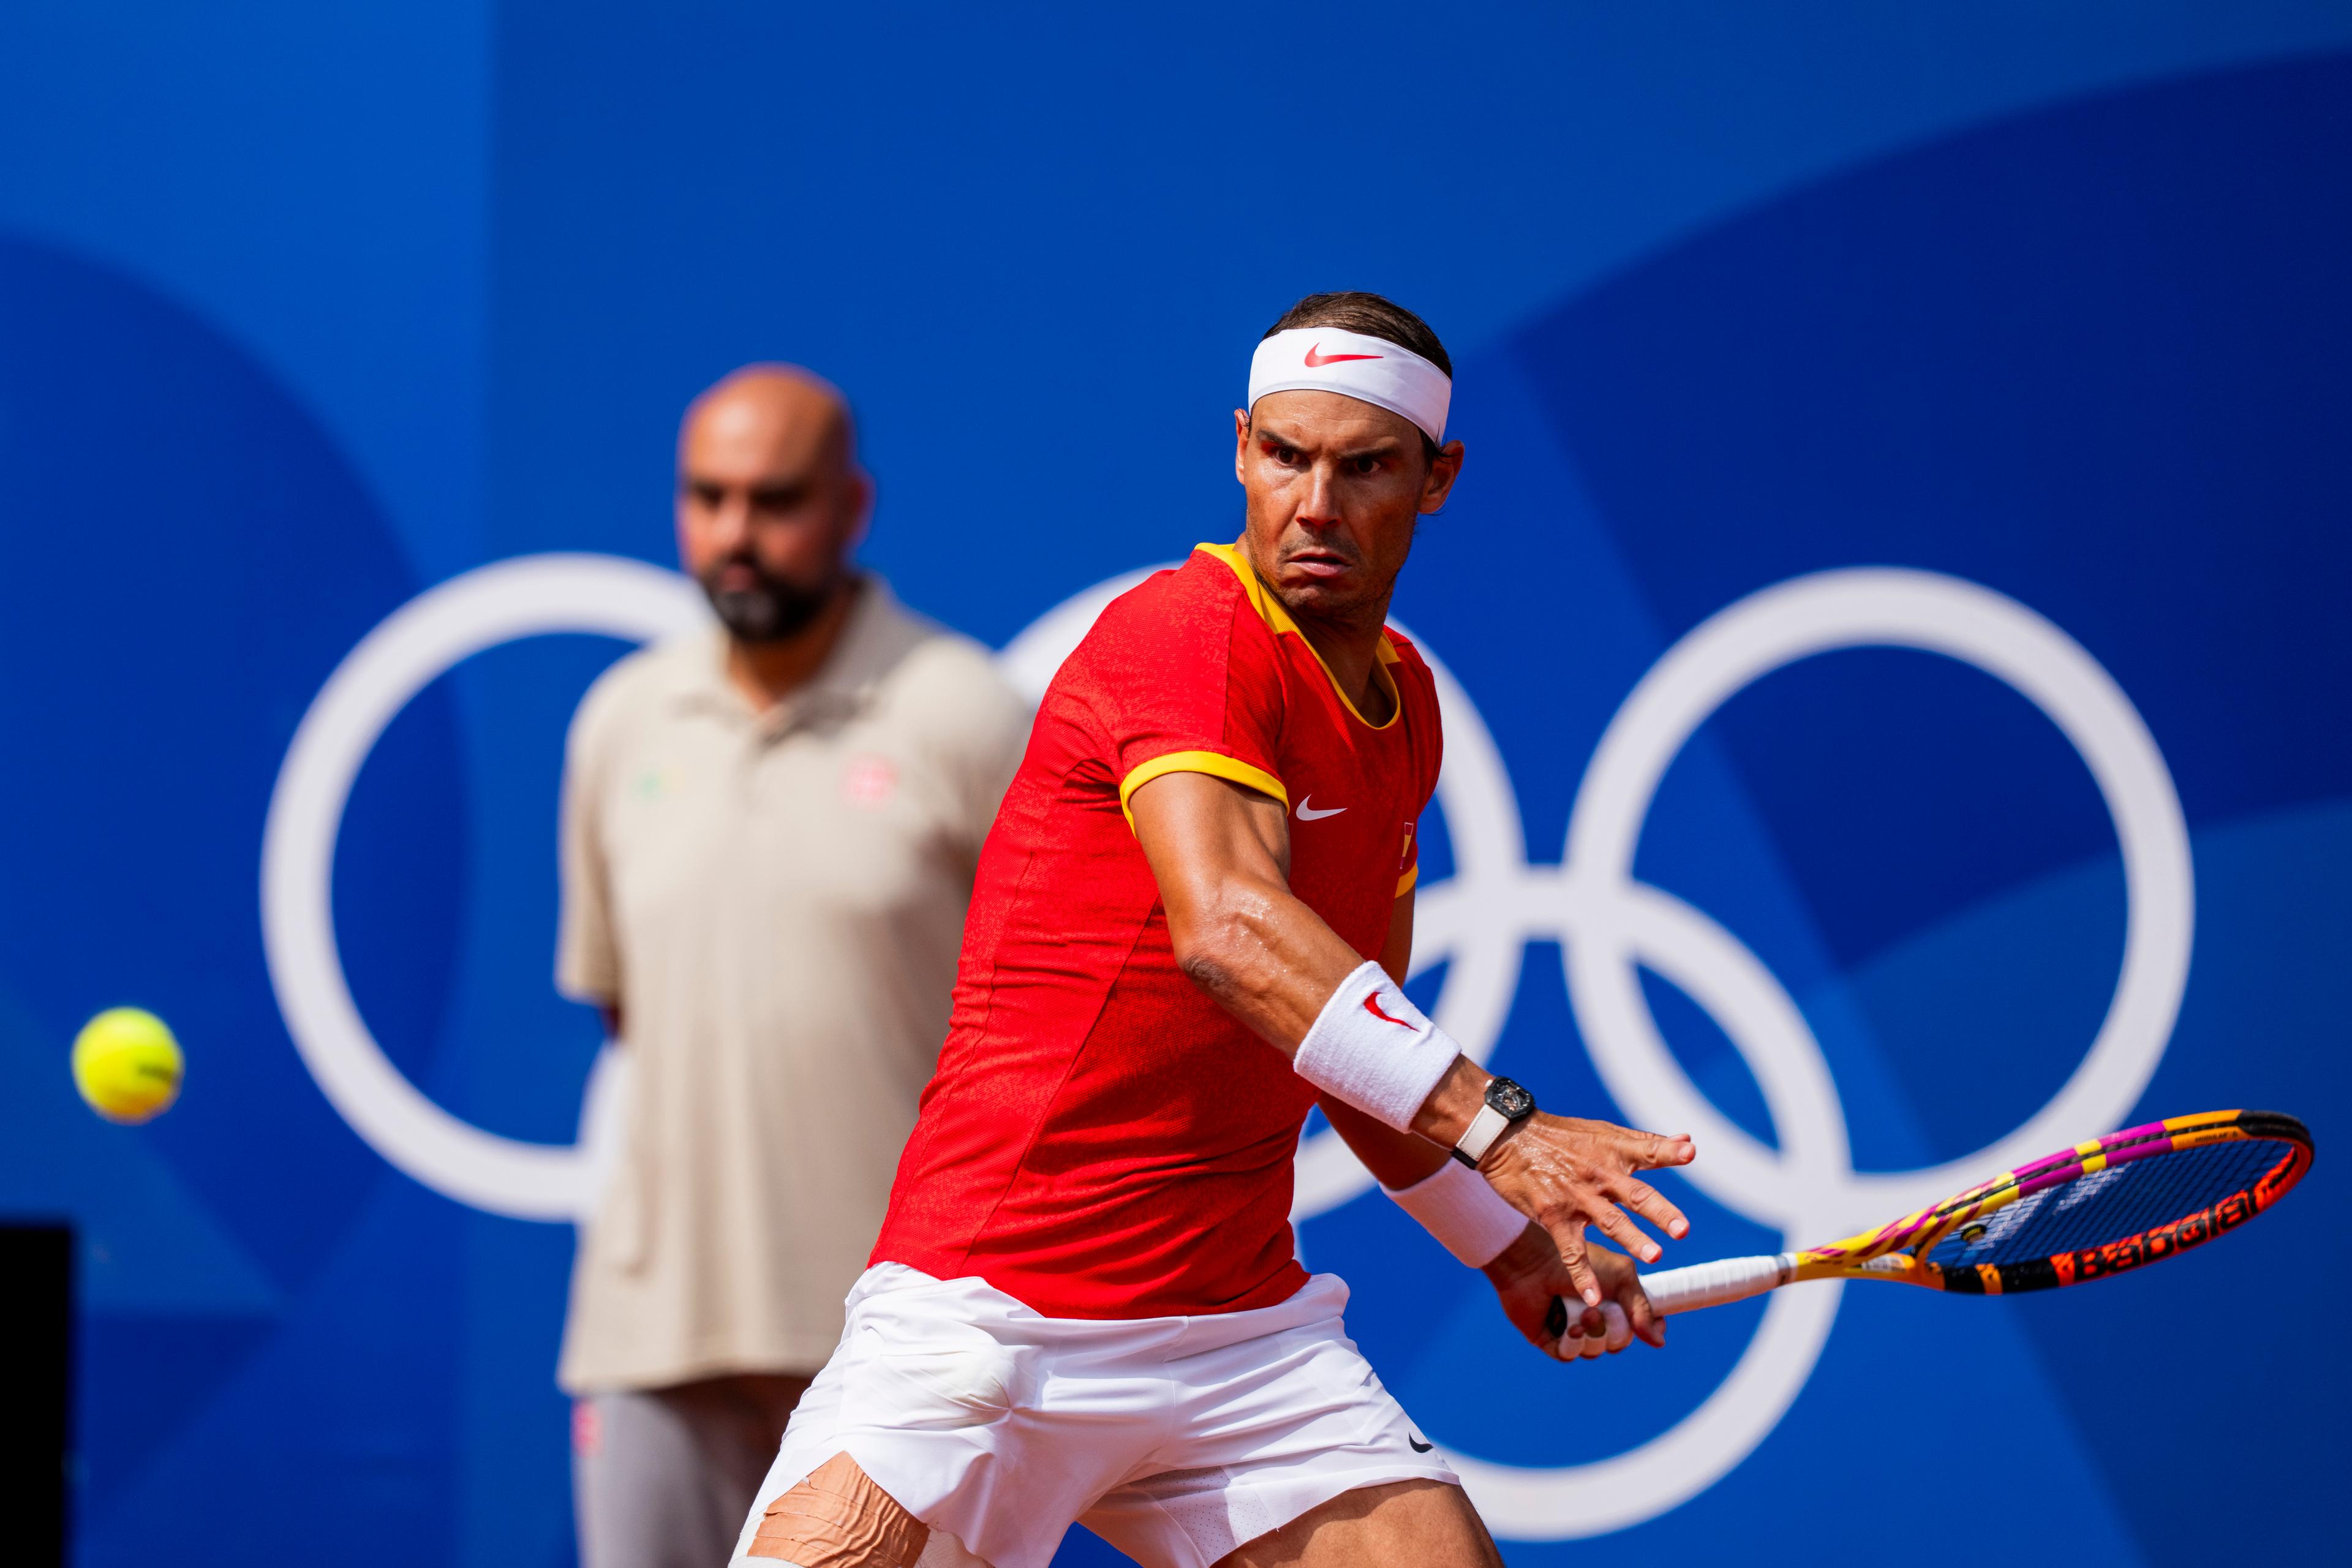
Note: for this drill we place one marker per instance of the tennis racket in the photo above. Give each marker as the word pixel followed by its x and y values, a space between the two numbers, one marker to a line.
pixel 2104 1207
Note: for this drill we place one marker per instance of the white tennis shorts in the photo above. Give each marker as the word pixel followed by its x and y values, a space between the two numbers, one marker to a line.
pixel 1175 1439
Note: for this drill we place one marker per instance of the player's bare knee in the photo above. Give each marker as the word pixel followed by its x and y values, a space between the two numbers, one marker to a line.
pixel 1418 1521
pixel 839 1518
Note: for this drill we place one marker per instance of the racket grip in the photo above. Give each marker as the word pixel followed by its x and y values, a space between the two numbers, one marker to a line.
pixel 1713 1284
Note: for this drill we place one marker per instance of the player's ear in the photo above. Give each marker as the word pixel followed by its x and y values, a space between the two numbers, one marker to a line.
pixel 1241 440
pixel 1438 483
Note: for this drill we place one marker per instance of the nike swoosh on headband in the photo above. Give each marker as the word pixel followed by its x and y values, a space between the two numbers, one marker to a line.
pixel 1354 365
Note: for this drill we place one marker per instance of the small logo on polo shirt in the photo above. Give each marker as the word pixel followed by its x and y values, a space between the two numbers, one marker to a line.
pixel 587 1429
pixel 869 781
pixel 1306 812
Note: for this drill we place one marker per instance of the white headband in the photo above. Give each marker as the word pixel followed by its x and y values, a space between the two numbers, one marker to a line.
pixel 1370 369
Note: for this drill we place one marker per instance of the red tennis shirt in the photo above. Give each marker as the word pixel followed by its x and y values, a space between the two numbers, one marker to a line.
pixel 1101 1140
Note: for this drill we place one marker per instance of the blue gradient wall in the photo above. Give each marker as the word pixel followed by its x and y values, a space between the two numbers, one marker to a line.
pixel 302 316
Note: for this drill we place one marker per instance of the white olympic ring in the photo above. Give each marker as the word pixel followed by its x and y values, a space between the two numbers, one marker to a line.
pixel 1481 918
pixel 433 632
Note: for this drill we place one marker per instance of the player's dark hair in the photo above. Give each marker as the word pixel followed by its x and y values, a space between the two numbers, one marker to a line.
pixel 1355 310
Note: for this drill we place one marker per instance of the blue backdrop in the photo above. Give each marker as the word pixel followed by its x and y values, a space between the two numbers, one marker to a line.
pixel 302 314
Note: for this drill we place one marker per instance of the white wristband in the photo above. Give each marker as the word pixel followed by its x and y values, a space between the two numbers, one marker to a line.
pixel 1374 1050
pixel 1468 1217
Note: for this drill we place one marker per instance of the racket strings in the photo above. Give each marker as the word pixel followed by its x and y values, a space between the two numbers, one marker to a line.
pixel 2108 1205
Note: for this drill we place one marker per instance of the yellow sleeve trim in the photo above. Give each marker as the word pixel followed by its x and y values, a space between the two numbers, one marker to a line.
pixel 1216 764
pixel 1405 883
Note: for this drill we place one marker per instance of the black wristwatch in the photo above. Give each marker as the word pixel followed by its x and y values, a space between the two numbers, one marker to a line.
pixel 1507 1102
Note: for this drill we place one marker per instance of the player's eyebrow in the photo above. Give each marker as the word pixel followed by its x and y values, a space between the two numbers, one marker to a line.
pixel 1378 446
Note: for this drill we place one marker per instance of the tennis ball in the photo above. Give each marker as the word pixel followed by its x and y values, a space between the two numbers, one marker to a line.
pixel 127 1065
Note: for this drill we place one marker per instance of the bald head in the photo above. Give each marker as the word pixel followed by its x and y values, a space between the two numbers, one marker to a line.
pixel 790 417
pixel 770 498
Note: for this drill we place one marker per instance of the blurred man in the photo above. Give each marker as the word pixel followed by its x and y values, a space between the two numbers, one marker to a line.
pixel 770 834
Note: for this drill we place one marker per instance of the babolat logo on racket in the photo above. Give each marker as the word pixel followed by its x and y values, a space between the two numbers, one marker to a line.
pixel 2155 1246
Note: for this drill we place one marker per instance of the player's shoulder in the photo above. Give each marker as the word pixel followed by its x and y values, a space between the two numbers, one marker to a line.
pixel 1185 610
pixel 1203 582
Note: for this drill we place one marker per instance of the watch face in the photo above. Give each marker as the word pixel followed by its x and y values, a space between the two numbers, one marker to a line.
pixel 1509 1098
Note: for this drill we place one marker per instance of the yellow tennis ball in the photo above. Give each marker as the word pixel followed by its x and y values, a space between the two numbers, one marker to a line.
pixel 127 1065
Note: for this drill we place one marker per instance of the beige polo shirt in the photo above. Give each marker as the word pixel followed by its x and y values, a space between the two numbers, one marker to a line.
pixel 775 901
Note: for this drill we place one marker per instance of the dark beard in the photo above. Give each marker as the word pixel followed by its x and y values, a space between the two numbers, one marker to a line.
pixel 776 609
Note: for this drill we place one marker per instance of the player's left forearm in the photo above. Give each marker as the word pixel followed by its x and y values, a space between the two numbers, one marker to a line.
pixel 1399 1160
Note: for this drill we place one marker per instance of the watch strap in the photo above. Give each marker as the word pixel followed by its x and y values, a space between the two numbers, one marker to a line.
pixel 1480 1135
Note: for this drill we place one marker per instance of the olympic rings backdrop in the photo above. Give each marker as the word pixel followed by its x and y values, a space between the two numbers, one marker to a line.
pixel 1891 631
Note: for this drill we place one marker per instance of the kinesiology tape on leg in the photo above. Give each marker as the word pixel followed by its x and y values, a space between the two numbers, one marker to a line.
pixel 1374 1050
pixel 839 1518
pixel 1454 1204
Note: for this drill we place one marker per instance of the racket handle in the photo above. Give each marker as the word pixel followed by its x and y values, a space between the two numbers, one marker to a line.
pixel 1713 1284
pixel 1700 1285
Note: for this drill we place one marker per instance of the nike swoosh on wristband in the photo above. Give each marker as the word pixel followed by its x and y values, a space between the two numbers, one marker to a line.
pixel 1317 358
pixel 1372 1005
pixel 1306 812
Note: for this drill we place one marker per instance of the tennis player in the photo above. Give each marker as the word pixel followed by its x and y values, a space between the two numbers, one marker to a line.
pixel 1191 923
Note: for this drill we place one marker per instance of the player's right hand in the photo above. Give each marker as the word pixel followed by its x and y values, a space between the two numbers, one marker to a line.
pixel 1566 1173
pixel 1529 1281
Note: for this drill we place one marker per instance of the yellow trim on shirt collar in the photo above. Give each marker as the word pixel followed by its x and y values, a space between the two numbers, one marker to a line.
pixel 1271 610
